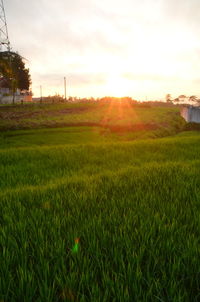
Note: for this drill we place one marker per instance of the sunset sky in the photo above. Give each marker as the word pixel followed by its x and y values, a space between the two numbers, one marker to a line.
pixel 137 48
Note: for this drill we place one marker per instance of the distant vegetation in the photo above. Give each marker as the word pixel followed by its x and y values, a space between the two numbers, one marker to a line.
pixel 183 99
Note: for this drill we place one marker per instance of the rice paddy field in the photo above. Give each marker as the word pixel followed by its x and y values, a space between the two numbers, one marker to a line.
pixel 99 212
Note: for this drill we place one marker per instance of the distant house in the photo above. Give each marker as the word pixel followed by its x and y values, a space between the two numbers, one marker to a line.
pixel 4 86
pixel 6 94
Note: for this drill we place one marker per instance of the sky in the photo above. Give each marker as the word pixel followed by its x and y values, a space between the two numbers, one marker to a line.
pixel 138 48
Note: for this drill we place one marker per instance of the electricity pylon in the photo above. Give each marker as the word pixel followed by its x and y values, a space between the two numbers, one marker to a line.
pixel 4 39
pixel 5 43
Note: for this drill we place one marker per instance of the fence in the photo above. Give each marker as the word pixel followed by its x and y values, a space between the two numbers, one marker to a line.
pixel 18 99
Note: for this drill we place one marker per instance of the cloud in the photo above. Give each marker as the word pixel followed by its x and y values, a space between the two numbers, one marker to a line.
pixel 183 11
pixel 42 31
pixel 145 40
pixel 148 77
pixel 75 79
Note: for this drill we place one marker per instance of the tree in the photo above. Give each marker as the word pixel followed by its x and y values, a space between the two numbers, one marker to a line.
pixel 168 98
pixel 12 67
pixel 193 98
pixel 5 70
pixel 176 100
pixel 182 97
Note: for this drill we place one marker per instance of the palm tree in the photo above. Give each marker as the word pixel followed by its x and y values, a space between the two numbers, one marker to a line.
pixel 176 100
pixel 182 97
pixel 168 98
pixel 193 98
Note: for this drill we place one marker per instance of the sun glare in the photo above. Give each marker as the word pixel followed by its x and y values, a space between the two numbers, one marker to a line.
pixel 117 86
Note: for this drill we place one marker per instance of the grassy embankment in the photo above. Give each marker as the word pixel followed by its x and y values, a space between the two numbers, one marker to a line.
pixel 135 206
pixel 111 116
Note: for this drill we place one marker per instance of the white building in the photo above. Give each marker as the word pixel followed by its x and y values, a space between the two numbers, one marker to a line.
pixel 191 114
pixel 6 95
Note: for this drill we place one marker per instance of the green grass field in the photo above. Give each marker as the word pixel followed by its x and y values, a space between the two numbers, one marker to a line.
pixel 110 115
pixel 132 197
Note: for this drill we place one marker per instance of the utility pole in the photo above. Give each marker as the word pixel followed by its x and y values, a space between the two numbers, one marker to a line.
pixel 40 93
pixel 65 88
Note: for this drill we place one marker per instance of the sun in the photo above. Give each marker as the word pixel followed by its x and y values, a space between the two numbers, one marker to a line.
pixel 117 86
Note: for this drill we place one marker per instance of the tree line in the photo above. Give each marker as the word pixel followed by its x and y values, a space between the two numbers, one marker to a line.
pixel 182 98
